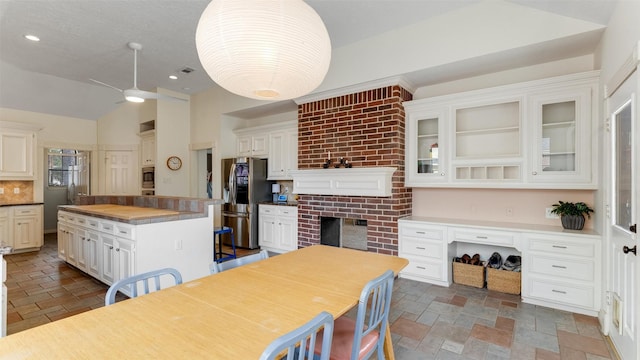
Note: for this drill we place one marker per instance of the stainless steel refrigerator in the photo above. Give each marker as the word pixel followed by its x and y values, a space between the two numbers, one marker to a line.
pixel 245 185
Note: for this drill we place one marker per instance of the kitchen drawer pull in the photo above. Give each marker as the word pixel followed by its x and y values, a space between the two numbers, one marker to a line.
pixel 559 291
pixel 420 248
pixel 421 267
pixel 122 232
pixel 559 266
pixel 481 237
pixel 420 232
pixel 110 247
pixel 559 246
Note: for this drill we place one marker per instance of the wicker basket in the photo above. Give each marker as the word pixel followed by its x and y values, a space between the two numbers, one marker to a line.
pixel 503 281
pixel 465 274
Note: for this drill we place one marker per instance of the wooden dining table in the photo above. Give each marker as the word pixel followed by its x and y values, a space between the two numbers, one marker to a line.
pixel 234 314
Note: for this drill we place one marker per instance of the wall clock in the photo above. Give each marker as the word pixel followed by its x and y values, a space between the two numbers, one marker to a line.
pixel 174 163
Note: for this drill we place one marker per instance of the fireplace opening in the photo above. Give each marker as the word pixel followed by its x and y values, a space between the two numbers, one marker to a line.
pixel 339 232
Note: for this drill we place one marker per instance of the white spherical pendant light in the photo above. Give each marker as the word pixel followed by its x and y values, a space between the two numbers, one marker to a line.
pixel 263 49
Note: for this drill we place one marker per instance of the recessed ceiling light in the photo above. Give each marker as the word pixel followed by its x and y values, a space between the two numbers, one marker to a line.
pixel 173 77
pixel 32 37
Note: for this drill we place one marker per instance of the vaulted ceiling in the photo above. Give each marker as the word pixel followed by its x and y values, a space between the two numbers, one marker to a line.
pixel 84 39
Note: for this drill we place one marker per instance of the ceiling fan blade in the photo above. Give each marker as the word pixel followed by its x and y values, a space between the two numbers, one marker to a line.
pixel 105 84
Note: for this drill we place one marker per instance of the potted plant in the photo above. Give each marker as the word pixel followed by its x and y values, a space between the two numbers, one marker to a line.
pixel 572 214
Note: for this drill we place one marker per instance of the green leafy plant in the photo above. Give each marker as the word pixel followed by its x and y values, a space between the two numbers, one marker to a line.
pixel 569 208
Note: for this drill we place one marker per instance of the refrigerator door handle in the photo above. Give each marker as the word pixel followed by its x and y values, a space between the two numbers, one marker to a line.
pixel 232 215
pixel 232 184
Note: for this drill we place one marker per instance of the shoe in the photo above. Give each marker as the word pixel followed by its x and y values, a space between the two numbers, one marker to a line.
pixel 495 261
pixel 465 258
pixel 512 263
pixel 475 260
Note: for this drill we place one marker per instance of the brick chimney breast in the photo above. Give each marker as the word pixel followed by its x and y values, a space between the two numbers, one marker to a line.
pixel 368 130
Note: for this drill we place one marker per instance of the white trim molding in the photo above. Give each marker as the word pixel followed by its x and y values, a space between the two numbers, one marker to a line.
pixel 368 181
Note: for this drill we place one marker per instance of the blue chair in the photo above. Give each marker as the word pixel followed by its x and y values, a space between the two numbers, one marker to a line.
pixel 301 343
pixel 356 339
pixel 219 255
pixel 217 267
pixel 133 282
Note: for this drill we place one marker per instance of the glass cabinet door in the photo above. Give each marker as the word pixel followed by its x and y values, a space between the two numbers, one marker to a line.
pixel 427 149
pixel 558 143
pixel 561 150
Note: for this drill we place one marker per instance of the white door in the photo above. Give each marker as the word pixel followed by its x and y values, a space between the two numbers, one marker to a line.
pixel 622 253
pixel 120 173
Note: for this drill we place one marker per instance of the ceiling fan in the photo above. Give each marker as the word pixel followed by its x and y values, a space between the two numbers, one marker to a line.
pixel 134 94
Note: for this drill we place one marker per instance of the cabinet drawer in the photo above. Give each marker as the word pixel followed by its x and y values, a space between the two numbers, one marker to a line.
pixel 81 220
pixel 557 246
pixel 420 247
pixel 562 267
pixel 422 232
pixel 106 226
pixel 25 210
pixel 290 211
pixel 268 209
pixel 502 238
pixel 93 224
pixel 426 269
pixel 565 293
pixel 123 231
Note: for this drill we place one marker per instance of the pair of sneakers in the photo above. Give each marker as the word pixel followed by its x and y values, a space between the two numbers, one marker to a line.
pixel 512 263
pixel 466 259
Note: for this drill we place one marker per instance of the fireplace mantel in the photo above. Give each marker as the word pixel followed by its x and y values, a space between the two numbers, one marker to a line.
pixel 366 181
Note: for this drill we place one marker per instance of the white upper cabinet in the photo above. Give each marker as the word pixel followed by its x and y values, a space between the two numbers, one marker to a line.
pixel 283 154
pixel 253 145
pixel 561 128
pixel 537 134
pixel 17 152
pixel 426 149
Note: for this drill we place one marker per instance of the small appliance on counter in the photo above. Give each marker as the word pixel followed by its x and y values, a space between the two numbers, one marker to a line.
pixel 275 189
pixel 282 198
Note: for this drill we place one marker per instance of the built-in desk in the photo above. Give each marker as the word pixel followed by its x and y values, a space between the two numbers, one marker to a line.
pixel 560 268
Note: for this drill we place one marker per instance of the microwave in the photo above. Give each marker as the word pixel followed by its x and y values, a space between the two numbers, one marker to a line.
pixel 148 177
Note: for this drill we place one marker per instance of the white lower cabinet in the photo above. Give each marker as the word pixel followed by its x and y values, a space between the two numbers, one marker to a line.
pixel 27 226
pixel 278 228
pixel 560 269
pixel 425 246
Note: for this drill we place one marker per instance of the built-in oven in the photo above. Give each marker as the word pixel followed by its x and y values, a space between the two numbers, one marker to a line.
pixel 148 177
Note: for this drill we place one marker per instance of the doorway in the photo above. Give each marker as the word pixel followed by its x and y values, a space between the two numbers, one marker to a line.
pixel 623 289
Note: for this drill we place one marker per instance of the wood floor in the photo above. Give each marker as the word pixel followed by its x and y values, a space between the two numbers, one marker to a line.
pixel 427 321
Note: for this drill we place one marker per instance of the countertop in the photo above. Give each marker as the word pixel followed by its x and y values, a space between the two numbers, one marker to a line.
pixel 278 203
pixel 120 211
pixel 22 204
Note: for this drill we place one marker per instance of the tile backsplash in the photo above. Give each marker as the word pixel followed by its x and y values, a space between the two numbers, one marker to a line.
pixel 24 195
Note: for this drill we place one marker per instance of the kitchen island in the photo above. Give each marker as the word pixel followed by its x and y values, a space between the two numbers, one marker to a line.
pixel 114 237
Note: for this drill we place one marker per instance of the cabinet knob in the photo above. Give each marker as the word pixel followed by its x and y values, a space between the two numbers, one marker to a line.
pixel 441 174
pixel 627 250
pixel 632 228
pixel 110 247
pixel 118 249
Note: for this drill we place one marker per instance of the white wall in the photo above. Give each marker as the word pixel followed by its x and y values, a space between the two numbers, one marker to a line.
pixel 172 139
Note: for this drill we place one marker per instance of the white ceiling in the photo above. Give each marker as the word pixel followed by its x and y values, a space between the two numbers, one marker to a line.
pixel 83 39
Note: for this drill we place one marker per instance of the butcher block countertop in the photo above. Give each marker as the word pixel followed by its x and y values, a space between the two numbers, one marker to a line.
pixel 121 211
pixel 138 210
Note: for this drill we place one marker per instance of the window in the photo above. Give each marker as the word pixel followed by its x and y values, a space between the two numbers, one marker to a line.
pixel 63 167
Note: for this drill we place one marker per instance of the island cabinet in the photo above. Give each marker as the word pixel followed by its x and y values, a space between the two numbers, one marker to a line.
pixel 538 134
pixel 109 250
pixel 561 269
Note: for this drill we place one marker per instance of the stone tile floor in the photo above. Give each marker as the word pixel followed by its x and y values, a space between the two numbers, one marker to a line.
pixel 427 321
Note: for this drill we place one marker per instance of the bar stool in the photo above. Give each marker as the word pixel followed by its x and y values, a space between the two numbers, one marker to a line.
pixel 220 256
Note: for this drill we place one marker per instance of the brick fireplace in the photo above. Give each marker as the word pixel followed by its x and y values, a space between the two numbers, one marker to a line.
pixel 368 130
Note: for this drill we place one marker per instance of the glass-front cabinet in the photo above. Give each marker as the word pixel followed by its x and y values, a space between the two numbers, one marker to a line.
pixel 533 135
pixel 425 158
pixel 561 151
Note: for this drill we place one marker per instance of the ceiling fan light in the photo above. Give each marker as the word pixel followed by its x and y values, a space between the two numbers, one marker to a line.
pixel 264 49
pixel 135 99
